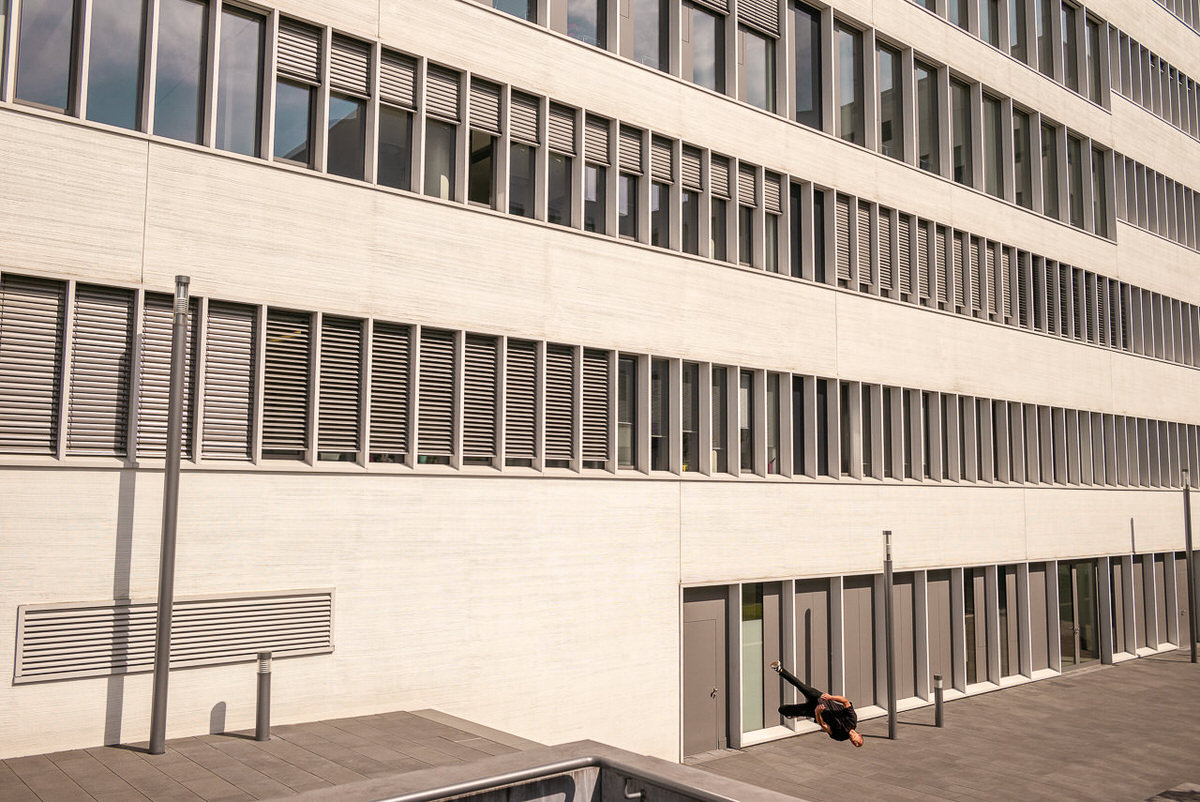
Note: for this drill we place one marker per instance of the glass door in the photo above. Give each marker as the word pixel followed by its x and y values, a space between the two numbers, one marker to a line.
pixel 1078 613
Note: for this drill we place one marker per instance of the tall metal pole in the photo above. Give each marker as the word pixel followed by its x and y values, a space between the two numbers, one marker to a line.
pixel 889 634
pixel 1191 563
pixel 166 560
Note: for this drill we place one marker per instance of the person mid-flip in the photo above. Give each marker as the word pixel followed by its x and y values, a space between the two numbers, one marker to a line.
pixel 834 714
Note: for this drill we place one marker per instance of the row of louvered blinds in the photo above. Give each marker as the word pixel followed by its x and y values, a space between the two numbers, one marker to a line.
pixel 286 383
pixel 904 254
pixel 718 176
pixel 560 402
pixel 158 322
pixel 435 382
pixel 660 160
pixel 350 66
pixel 773 193
pixel 520 400
pixel 298 52
pixel 340 385
pixel 481 361
pixel 485 106
pixel 523 118
pixel 959 245
pixel 98 406
pixel 631 150
pixel 862 222
pixel 595 140
pixel 760 14
pixel 885 249
pixel 31 326
pixel 841 228
pixel 595 405
pixel 939 263
pixel 398 79
pixel 389 388
pixel 229 348
pixel 747 179
pixel 562 129
pixel 691 170
pixel 441 92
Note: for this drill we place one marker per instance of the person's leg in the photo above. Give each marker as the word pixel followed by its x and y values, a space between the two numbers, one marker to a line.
pixel 811 695
pixel 798 711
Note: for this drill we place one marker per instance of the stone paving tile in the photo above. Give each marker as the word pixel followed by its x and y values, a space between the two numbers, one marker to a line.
pixel 251 753
pixel 250 780
pixel 94 777
pixel 46 780
pixel 149 781
pixel 12 789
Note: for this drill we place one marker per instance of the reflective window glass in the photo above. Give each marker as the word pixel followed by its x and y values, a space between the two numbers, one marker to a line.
pixel 520 179
pixel 989 22
pixel 585 21
pixel 627 393
pixel 691 222
pixel 958 13
pixel 691 417
pixel 703 47
pixel 293 122
pixel 239 82
pixel 481 174
pixel 928 131
pixel 594 179
pixel 660 415
pixel 648 19
pixel 758 62
pixel 1075 183
pixel 558 190
pixel 960 131
pixel 525 9
pixel 718 230
pixel 627 206
pixel 1044 16
pixel 891 113
pixel 746 421
pixel 1049 171
pixel 660 215
pixel 395 147
pixel 1070 37
pixel 993 156
pixel 746 234
pixel 850 85
pixel 1099 193
pixel 808 65
pixel 440 139
pixel 1022 160
pixel 347 136
pixel 46 52
pixel 181 70
pixel 115 62
pixel 1017 30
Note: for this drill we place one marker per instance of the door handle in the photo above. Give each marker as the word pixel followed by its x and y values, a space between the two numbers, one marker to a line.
pixel 713 694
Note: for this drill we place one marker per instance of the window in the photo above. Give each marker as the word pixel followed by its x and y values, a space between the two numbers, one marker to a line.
pixel 957 11
pixel 993 148
pixel 928 129
pixel 389 392
pixel 1099 192
pixel 960 132
pixel 773 455
pixel 1075 178
pixel 891 109
pixel 691 417
pixel 586 21
pixel 989 22
pixel 481 174
pixel 1070 42
pixel 340 385
pixel 720 421
pixel 644 32
pixel 435 397
pixel 594 180
pixel 868 467
pixel 596 409
pixel 627 205
pixel 627 404
pixel 809 67
pixel 889 450
pixel 771 242
pixel 851 126
pixel 660 415
pixel 758 69
pixel 46 53
pixel 747 204
pixel 800 466
pixel 523 9
pixel 660 214
pixel 521 171
pixel 1049 170
pixel 1044 13
pixel 558 206
pixel 703 47
pixel 115 63
pixel 823 427
pixel 181 72
pixel 347 135
pixel 845 431
pixel 298 74
pixel 440 139
pixel 746 403
pixel 31 365
pixel 239 82
pixel 395 147
pixel 1022 160
pixel 1017 30
pixel 690 211
pixel 1095 61
pixel 718 229
pixel 286 378
pixel 819 254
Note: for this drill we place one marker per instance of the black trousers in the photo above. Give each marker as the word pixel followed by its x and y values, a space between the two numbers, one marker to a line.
pixel 811 697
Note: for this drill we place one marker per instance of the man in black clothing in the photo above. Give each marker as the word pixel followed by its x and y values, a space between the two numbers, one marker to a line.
pixel 834 714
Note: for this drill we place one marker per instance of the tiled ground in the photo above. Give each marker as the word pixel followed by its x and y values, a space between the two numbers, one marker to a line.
pixel 1124 732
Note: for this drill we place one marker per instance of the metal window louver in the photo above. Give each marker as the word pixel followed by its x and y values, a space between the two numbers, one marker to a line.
pixel 1103 307
pixel 773 193
pixel 435 394
pixel 905 249
pixel 596 140
pixel 941 269
pixel 229 369
pixel 520 400
pixel 716 5
pixel 957 270
pixel 481 361
pixel 441 92
pixel 96 639
pixel 973 244
pixel 862 222
pixel 595 405
pixel 390 356
pixel 154 369
pixel 885 249
pixel 1022 290
pixel 339 413
pixel 298 52
pixel 350 65
pixel 286 380
pixel 1064 295
pixel 760 14
pixel 923 259
pixel 1006 269
pixel 690 169
pixel 97 415
pixel 747 185
pixel 989 278
pixel 631 150
pixel 523 118
pixel 560 402
pixel 718 176
pixel 660 160
pixel 841 225
pixel 398 79
pixel 31 332
pixel 562 129
pixel 485 106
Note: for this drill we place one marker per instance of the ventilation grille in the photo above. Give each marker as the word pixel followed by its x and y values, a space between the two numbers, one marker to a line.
pixel 863 261
pixel 76 640
pixel 904 267
pixel 922 259
pixel 885 249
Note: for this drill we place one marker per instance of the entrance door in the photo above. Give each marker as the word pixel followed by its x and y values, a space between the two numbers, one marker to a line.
pixel 1078 613
pixel 704 669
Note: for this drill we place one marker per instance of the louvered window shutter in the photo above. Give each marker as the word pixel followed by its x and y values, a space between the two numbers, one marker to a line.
pixel 485 106
pixel 747 185
pixel 716 5
pixel 435 385
pixel 691 170
pixel 441 93
pixel 390 355
pixel 97 418
pixel 562 129
pixel 939 261
pixel 595 140
pixel 229 369
pixel 1006 265
pixel 631 150
pixel 1022 290
pixel 340 399
pixel 989 277
pixel 298 53
pixel 286 384
pixel 923 259
pixel 885 249
pixel 523 119
pixel 863 224
pixel 905 248
pixel 660 160
pixel 480 364
pixel 595 405
pixel 560 402
pixel 960 297
pixel 31 332
pixel 520 400
pixel 773 193
pixel 158 323
pixel 973 245
pixel 841 220
pixel 760 14
pixel 350 66
pixel 719 177
pixel 398 79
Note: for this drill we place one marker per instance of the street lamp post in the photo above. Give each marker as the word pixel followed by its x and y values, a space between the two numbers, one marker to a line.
pixel 166 560
pixel 890 647
pixel 1191 563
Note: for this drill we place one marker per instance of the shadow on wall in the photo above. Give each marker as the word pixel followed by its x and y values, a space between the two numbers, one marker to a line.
pixel 122 558
pixel 216 719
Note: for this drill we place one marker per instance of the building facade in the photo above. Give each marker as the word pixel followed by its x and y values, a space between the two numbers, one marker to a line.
pixel 558 364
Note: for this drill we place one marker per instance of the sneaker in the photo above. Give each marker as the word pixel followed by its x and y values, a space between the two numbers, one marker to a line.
pixel 776 667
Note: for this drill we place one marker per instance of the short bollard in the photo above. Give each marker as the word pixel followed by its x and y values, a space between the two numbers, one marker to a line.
pixel 262 719
pixel 938 720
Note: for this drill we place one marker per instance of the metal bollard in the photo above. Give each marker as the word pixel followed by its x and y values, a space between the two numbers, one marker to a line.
pixel 262 719
pixel 938 718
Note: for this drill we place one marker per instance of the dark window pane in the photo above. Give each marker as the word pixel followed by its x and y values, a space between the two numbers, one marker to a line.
pixel 1094 60
pixel 691 222
pixel 928 132
pixel 180 73
pixel 1070 39
pixel 440 165
pixel 1099 193
pixel 525 9
pixel 1075 174
pixel 891 113
pixel 796 229
pixel 481 175
pixel 691 416
pixel 745 234
pixel 989 22
pixel 1023 162
pixel 758 70
pixel 660 415
pixel 239 82
pixel 46 52
pixel 1017 30
pixel 704 48
pixel 115 62
pixel 520 174
pixel 649 21
pixel 660 215
pixel 585 21
pixel 808 66
pixel 746 421
pixel 993 164
pixel 347 136
pixel 627 206
pixel 293 122
pixel 1044 13
pixel 558 193
pixel 771 243
pixel 957 10
pixel 720 428
pixel 1049 171
pixel 395 147
pixel 850 85
pixel 594 177
pixel 960 130
pixel 818 230
pixel 718 244
pixel 627 412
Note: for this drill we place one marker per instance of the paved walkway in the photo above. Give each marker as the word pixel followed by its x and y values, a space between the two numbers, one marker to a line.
pixel 1065 738
pixel 232 767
